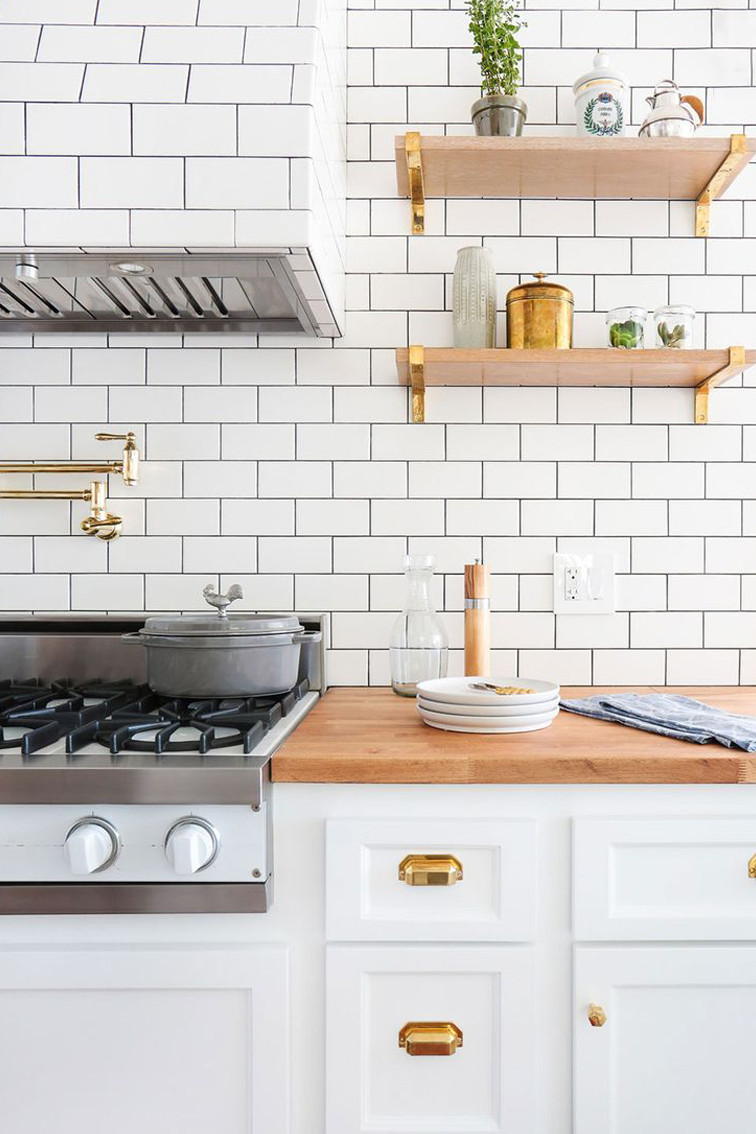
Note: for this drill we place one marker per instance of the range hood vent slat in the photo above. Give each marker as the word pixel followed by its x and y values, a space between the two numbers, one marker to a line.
pixel 126 290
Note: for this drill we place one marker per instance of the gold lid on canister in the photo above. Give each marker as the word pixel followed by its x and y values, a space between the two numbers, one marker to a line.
pixel 540 290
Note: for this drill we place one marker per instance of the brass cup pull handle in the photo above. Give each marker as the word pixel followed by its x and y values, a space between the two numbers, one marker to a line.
pixel 430 1038
pixel 596 1016
pixel 752 866
pixel 430 870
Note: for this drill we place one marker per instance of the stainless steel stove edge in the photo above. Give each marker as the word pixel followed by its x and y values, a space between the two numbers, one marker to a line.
pixel 135 897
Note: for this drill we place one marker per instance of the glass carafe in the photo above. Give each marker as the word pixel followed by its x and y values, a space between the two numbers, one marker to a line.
pixel 419 647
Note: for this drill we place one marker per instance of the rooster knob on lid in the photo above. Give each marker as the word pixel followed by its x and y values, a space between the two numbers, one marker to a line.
pixel 477 621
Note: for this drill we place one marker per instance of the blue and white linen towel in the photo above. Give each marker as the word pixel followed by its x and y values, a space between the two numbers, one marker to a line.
pixel 670 715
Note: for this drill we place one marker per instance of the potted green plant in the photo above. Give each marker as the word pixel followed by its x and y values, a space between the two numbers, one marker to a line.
pixel 495 25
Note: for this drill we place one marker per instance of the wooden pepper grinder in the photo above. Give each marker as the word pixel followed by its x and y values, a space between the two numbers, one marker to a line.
pixel 477 621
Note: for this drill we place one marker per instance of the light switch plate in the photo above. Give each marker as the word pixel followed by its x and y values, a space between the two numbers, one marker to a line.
pixel 584 584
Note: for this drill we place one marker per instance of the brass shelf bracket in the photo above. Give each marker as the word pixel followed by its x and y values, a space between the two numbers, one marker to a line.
pixel 736 365
pixel 417 380
pixel 724 176
pixel 101 523
pixel 415 178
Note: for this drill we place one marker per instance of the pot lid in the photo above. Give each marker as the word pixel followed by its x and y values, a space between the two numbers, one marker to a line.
pixel 602 69
pixel 540 290
pixel 216 625
pixel 221 624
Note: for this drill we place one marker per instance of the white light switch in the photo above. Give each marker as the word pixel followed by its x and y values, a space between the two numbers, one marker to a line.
pixel 584 584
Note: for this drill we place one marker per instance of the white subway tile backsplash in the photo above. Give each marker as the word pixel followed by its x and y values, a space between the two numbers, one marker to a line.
pixel 333 517
pixel 594 479
pixel 407 517
pixel 296 554
pixel 703 667
pixel 520 404
pixel 184 130
pixel 131 183
pixel 257 442
pixel 129 82
pixel 192 45
pixel 631 443
pixel 77 128
pixel 560 443
pixel 261 517
pixel 236 84
pixel 578 404
pixel 656 480
pixel 295 459
pixel 183 517
pixel 482 517
pixel 513 479
pixel 666 629
pixel 557 517
pixel 38 182
pixel 294 478
pixel 183 442
pixel 66 43
pixel 144 11
pixel 728 556
pixel 670 555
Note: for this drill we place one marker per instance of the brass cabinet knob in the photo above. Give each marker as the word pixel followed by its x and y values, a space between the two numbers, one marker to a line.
pixel 752 866
pixel 430 870
pixel 430 1038
pixel 596 1016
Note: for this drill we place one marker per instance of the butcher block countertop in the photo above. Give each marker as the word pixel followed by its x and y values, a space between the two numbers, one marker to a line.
pixel 371 736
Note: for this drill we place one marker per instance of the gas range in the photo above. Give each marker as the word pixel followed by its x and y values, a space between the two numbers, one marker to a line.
pixel 114 799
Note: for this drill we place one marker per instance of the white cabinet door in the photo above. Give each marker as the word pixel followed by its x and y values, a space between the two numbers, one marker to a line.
pixel 373 1085
pixel 147 1041
pixel 665 879
pixel 492 897
pixel 675 1055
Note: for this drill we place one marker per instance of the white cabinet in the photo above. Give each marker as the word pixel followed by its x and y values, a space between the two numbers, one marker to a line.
pixel 374 1085
pixel 665 879
pixel 676 1051
pixel 148 1040
pixel 488 868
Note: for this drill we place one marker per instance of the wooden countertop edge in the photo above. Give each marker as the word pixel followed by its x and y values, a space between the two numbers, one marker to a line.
pixel 572 770
pixel 369 736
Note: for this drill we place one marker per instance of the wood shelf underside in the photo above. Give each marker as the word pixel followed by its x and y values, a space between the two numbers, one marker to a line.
pixel 581 366
pixel 673 169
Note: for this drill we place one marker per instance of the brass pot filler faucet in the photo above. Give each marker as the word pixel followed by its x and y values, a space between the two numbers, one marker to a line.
pixel 99 522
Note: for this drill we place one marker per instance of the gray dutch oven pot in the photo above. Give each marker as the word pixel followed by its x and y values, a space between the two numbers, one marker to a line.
pixel 222 655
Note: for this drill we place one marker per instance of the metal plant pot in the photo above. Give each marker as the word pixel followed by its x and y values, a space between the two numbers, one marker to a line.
pixel 499 116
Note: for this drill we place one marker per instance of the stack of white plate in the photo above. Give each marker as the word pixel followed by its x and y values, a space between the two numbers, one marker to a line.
pixel 452 703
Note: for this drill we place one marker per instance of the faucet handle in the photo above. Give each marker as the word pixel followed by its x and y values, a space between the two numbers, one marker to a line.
pixel 129 438
pixel 130 464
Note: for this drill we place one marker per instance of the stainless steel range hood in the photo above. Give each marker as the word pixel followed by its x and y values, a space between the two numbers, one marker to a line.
pixel 121 291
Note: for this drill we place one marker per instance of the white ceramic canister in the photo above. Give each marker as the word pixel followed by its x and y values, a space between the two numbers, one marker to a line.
pixel 474 299
pixel 601 100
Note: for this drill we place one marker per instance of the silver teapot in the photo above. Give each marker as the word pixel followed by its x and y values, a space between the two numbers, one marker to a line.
pixel 672 115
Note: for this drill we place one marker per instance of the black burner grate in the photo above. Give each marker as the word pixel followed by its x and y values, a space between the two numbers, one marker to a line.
pixel 130 718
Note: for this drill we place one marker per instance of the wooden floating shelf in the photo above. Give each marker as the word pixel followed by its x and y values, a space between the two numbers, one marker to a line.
pixel 582 366
pixel 673 169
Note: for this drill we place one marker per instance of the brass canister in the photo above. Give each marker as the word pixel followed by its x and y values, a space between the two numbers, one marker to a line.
pixel 539 315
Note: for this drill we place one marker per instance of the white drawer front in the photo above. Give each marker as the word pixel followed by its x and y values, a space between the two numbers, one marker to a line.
pixel 375 1086
pixel 664 879
pixel 493 901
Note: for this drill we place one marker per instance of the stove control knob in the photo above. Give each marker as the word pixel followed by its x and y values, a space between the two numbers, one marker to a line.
pixel 191 845
pixel 92 845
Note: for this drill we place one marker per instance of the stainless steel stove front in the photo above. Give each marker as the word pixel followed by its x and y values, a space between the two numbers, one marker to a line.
pixel 95 832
